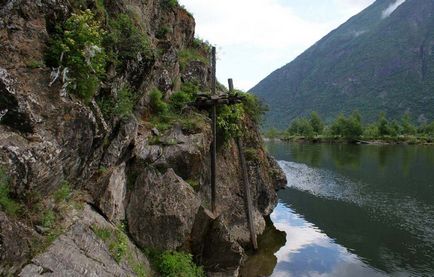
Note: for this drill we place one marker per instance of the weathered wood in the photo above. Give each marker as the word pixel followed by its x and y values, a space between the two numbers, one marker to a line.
pixel 214 135
pixel 247 195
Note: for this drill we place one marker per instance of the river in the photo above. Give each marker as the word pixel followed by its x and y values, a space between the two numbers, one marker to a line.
pixel 350 210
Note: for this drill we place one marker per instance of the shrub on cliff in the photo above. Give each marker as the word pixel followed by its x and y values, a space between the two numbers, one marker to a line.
pixel 77 47
pixel 126 42
pixel 7 204
pixel 178 264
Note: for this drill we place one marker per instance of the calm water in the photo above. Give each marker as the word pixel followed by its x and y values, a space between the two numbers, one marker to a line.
pixel 350 210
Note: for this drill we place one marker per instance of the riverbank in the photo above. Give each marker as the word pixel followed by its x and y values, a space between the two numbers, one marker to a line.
pixel 405 140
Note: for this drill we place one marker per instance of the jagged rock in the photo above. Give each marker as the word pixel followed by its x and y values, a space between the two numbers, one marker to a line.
pixel 279 177
pixel 15 115
pixel 222 254
pixel 119 144
pixel 202 224
pixel 197 73
pixel 15 244
pixel 186 154
pixel 109 193
pixel 161 210
pixel 79 252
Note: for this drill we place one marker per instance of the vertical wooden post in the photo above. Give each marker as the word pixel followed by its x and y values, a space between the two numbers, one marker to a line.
pixel 214 133
pixel 247 196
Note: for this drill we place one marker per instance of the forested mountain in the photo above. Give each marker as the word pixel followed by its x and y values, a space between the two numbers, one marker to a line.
pixel 379 60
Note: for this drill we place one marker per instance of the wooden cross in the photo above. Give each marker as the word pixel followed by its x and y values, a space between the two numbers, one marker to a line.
pixel 207 101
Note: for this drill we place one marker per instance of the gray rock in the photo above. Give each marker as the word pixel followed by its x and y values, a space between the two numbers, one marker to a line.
pixel 109 193
pixel 79 252
pixel 15 245
pixel 222 254
pixel 161 210
pixel 119 144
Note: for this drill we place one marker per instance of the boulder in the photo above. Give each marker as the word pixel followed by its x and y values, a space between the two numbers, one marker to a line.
pixel 109 193
pixel 222 255
pixel 79 252
pixel 15 245
pixel 161 210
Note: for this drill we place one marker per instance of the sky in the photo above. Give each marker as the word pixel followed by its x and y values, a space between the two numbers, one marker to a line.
pixel 256 37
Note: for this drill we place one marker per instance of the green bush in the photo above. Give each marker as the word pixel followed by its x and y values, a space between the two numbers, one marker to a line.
pixel 126 41
pixel 189 55
pixel 63 193
pixel 10 206
pixel 162 32
pixel 77 45
pixel 48 219
pixel 316 123
pixel 178 264
pixel 301 127
pixel 116 240
pixel 169 4
pixel 180 99
pixel 124 102
pixel 229 120
pixel 157 103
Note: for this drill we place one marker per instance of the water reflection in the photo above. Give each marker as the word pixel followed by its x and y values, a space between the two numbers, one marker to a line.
pixel 309 252
pixel 355 210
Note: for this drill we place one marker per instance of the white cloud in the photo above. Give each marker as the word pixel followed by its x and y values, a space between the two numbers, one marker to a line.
pixel 387 12
pixel 255 37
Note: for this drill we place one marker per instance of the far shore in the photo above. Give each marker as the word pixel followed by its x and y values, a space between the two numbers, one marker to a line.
pixel 340 140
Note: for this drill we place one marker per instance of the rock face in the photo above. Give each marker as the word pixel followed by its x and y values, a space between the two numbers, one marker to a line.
pixel 126 171
pixel 161 210
pixel 79 252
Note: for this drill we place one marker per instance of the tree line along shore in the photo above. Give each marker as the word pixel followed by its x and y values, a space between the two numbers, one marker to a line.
pixel 351 129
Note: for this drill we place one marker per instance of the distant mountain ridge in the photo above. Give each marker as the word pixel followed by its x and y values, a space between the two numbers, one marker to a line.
pixel 382 59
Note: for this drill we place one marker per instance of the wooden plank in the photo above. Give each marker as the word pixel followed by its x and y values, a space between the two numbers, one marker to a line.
pixel 214 136
pixel 246 185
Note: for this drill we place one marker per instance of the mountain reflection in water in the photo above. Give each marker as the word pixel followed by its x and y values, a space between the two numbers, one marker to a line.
pixel 354 211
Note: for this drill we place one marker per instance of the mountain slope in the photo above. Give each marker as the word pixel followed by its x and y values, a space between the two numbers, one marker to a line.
pixel 374 62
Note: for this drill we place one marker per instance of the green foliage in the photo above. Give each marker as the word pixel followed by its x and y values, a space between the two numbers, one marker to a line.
pixel 10 206
pixel 272 133
pixel 383 126
pixel 77 45
pixel 349 128
pixel 162 32
pixel 157 103
pixel 63 193
pixel 102 233
pixel 169 4
pixel 181 98
pixel 228 121
pixel 116 240
pixel 251 154
pixel 407 127
pixel 316 123
pixel 124 103
pixel 301 127
pixel 33 64
pixel 189 55
pixel 178 264
pixel 126 42
pixel 48 219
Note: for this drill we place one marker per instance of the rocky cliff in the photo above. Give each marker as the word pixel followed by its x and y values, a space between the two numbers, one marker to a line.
pixel 95 174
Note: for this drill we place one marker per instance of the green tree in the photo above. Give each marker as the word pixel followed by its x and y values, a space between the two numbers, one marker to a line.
pixel 383 125
pixel 407 127
pixel 316 123
pixel 301 127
